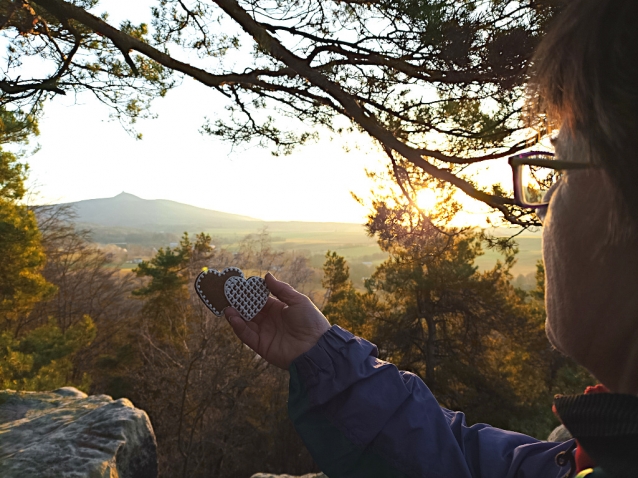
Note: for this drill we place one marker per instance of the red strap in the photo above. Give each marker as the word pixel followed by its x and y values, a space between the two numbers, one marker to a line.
pixel 582 459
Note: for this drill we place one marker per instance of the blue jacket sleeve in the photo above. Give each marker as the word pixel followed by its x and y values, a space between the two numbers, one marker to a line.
pixel 362 417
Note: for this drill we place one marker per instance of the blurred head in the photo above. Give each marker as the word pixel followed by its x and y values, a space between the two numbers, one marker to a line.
pixel 586 73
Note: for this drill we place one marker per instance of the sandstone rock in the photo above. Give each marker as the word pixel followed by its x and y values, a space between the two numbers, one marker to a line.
pixel 559 433
pixel 66 433
pixel 269 475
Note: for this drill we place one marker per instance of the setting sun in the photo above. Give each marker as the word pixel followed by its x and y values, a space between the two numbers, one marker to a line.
pixel 426 200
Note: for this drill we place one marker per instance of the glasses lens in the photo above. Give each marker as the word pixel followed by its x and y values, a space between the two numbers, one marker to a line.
pixel 536 181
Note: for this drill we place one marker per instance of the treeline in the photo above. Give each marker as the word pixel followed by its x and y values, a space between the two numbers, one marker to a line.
pixel 477 342
pixel 68 317
pixel 146 336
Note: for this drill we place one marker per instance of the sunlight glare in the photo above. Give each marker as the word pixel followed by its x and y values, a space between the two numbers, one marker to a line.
pixel 426 200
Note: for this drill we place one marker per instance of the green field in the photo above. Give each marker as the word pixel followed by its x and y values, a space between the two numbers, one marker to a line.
pixel 528 255
pixel 348 240
pixel 352 242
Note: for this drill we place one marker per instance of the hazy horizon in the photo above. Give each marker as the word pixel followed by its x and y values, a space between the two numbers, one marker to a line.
pixel 258 219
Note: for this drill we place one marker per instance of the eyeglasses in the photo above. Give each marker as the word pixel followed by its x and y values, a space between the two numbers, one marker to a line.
pixel 535 173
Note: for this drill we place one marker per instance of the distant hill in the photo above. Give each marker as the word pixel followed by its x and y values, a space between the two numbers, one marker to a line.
pixel 127 210
pixel 126 218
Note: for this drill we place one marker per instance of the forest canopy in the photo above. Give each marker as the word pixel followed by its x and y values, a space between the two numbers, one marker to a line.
pixel 435 84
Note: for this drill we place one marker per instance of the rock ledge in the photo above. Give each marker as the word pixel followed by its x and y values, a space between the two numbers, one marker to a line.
pixel 67 433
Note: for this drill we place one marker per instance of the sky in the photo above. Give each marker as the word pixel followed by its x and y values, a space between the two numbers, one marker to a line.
pixel 84 155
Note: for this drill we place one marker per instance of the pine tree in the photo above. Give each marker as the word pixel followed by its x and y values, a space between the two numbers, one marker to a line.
pixel 168 276
pixel 476 341
pixel 37 358
pixel 21 254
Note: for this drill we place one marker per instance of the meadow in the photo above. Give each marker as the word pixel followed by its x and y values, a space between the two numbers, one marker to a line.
pixel 348 240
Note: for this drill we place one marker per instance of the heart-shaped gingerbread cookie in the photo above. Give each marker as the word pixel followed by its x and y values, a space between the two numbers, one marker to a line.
pixel 248 296
pixel 209 286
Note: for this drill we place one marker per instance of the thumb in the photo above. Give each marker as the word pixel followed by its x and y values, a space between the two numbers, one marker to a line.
pixel 284 292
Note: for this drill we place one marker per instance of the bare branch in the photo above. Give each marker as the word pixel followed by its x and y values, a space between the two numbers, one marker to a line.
pixel 13 87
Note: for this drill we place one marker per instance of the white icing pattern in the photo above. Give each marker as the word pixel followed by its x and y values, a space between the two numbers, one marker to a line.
pixel 248 296
pixel 201 293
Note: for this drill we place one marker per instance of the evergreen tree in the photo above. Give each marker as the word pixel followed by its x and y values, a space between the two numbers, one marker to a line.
pixel 343 304
pixel 21 254
pixel 166 291
pixel 40 357
pixel 476 341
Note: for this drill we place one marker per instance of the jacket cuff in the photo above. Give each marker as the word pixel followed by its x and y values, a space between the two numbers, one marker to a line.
pixel 338 356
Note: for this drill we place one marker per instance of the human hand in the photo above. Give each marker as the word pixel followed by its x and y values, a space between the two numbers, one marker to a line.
pixel 286 327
